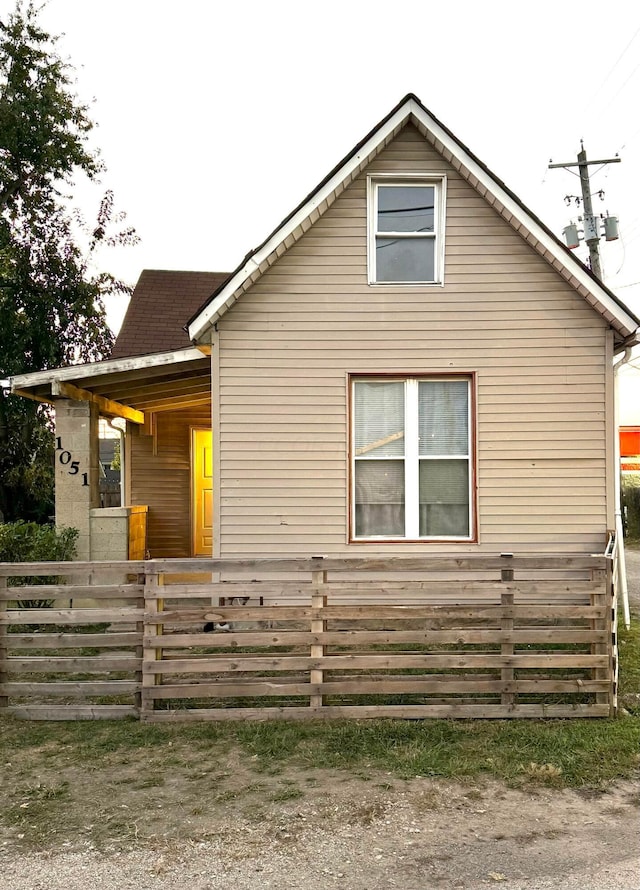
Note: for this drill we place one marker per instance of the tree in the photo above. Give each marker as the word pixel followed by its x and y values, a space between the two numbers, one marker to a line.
pixel 52 309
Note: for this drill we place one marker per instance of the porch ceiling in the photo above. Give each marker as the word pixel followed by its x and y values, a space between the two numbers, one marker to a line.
pixel 164 390
pixel 141 385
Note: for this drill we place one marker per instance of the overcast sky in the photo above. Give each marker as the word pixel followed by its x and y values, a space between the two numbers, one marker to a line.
pixel 215 119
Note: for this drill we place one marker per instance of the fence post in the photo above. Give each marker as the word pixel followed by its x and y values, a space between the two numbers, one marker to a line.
pixel 613 640
pixel 599 600
pixel 4 652
pixel 140 604
pixel 507 675
pixel 318 626
pixel 152 648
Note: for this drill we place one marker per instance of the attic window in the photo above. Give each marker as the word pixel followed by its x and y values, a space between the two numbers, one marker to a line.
pixel 406 230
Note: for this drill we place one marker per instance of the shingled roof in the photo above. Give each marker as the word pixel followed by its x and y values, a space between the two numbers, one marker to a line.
pixel 161 303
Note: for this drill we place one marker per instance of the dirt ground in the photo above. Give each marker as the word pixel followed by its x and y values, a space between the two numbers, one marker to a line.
pixel 72 828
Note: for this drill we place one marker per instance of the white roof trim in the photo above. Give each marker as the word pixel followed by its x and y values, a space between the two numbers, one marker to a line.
pixel 214 310
pixel 577 270
pixel 110 366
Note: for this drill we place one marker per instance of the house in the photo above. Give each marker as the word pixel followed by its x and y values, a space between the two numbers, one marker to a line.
pixel 411 363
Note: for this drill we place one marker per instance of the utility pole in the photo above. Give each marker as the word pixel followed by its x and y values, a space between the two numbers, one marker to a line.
pixel 591 221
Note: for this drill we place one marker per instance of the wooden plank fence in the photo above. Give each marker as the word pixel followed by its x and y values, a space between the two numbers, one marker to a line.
pixel 401 637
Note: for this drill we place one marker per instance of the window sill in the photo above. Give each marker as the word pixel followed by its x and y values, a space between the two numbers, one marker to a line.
pixel 390 541
pixel 406 283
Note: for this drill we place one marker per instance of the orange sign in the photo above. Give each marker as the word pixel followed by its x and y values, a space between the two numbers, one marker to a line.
pixel 630 441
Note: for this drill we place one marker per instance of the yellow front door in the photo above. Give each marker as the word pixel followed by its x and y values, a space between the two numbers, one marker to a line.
pixel 202 469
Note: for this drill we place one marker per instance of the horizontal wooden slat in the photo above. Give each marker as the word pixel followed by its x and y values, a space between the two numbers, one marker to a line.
pixel 398 712
pixel 435 660
pixel 368 686
pixel 72 664
pixel 63 591
pixel 233 640
pixel 229 613
pixel 71 617
pixel 310 564
pixel 389 612
pixel 390 590
pixel 73 641
pixel 71 569
pixel 264 688
pixel 72 689
pixel 72 712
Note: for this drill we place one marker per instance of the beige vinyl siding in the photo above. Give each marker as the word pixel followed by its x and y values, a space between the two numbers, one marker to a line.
pixel 161 479
pixel 287 347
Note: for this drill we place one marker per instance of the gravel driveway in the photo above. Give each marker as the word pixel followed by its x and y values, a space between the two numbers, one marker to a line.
pixel 633 579
pixel 420 835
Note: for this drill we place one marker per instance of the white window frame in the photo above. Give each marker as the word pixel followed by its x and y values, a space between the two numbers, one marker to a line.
pixel 439 183
pixel 412 457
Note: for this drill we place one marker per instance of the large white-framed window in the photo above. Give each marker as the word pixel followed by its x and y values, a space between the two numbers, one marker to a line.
pixel 412 458
pixel 406 229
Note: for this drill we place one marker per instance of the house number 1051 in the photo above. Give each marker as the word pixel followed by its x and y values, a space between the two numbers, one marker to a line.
pixel 66 459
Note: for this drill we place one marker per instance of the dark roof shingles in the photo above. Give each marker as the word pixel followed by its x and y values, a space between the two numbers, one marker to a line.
pixel 161 303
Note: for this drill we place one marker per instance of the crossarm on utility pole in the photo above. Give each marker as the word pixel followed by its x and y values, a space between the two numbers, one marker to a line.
pixel 591 235
pixel 588 163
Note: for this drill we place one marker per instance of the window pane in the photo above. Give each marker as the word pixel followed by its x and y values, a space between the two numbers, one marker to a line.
pixel 405 259
pixel 379 419
pixel 443 417
pixel 379 493
pixel 444 498
pixel 406 208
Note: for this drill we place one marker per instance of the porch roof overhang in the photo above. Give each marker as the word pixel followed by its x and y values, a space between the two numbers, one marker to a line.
pixel 126 387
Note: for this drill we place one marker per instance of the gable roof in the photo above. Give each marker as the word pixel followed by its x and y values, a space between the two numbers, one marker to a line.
pixel 410 110
pixel 161 300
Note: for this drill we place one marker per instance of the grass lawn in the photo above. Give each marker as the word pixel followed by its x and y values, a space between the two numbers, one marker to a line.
pixel 108 782
pixel 559 752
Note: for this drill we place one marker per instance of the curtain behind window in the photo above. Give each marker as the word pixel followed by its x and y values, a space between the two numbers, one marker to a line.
pixel 379 435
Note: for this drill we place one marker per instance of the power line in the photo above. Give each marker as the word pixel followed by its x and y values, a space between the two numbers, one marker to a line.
pixel 613 68
pixel 620 89
pixel 629 139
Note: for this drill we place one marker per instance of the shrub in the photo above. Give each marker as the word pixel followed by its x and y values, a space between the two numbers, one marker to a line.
pixel 29 542
pixel 631 505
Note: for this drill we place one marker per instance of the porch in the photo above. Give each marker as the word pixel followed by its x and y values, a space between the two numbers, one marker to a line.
pixel 165 494
pixel 485 636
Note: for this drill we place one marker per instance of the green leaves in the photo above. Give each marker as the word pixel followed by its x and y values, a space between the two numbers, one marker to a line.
pixel 52 300
pixel 43 126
